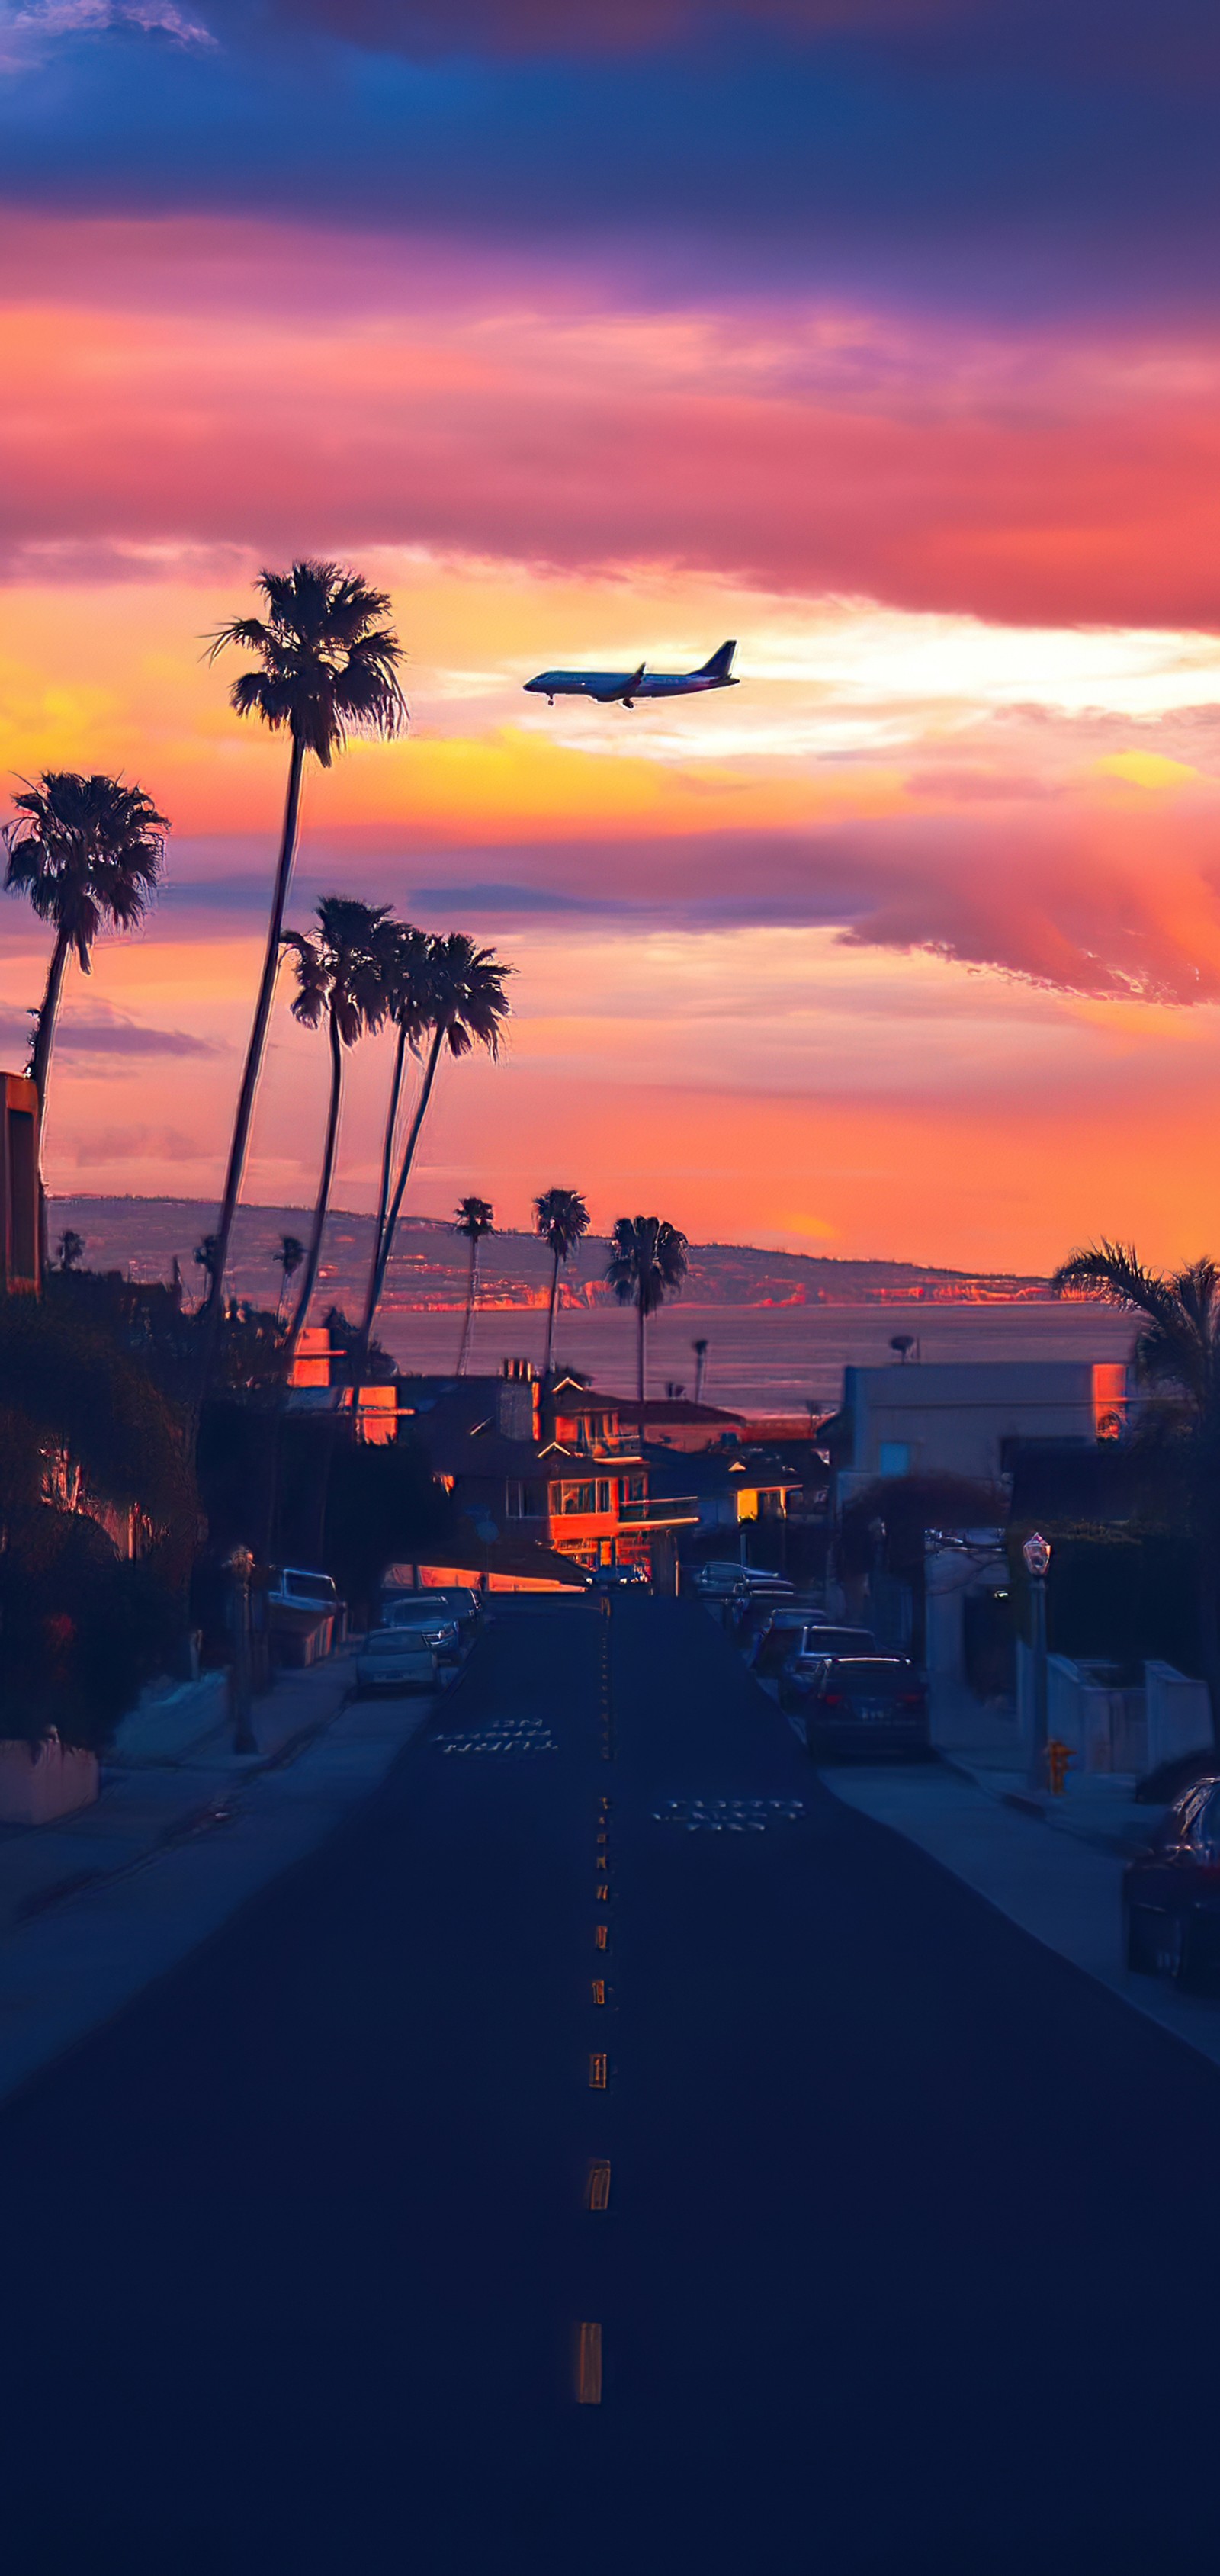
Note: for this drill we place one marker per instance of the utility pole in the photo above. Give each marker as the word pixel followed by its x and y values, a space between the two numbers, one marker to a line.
pixel 1037 1555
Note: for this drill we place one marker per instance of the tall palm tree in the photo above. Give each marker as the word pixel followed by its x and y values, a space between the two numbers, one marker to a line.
pixel 465 1004
pixel 407 976
pixel 88 851
pixel 561 1218
pixel 1177 1358
pixel 475 1219
pixel 288 1261
pixel 339 979
pixel 647 1264
pixel 326 666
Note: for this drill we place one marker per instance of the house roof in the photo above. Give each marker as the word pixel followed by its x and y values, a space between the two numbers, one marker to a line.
pixel 679 1410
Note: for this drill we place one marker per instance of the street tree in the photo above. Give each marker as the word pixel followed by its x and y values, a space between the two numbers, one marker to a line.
pixel 339 980
pixel 647 1264
pixel 476 1220
pixel 88 853
pixel 1176 1360
pixel 326 666
pixel 561 1218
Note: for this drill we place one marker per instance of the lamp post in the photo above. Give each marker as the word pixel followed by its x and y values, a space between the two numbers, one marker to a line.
pixel 1037 1555
pixel 241 1566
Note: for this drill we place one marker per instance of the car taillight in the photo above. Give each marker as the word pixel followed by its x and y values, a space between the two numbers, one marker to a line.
pixel 911 1699
pixel 832 1699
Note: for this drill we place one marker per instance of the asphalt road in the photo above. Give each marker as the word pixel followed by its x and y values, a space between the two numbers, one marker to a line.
pixel 911 2254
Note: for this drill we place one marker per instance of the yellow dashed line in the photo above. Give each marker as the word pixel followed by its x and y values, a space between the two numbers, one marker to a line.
pixel 597 2072
pixel 599 2186
pixel 599 1990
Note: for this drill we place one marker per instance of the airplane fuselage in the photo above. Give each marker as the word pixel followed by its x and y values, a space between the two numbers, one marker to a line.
pixel 622 688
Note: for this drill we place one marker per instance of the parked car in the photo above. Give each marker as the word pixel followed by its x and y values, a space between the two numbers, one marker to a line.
pixel 749 1599
pixel 304 1613
pixel 788 1633
pixel 761 1608
pixel 457 1601
pixel 1171 1892
pixel 396 1659
pixel 853 1707
pixel 612 1578
pixel 417 1612
pixel 719 1579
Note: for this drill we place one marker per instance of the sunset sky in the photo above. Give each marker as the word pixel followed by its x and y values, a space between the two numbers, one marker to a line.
pixel 879 334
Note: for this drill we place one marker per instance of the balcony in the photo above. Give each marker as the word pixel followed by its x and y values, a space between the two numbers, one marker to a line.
pixel 662 1511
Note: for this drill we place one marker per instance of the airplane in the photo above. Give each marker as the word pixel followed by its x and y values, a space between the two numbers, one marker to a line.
pixel 622 688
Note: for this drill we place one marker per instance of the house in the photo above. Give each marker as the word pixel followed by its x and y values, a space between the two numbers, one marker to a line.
pixel 967 1418
pixel 311 1389
pixel 674 1422
pixel 731 1486
pixel 545 1461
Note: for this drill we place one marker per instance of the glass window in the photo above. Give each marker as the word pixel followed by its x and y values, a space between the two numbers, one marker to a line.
pixel 603 1495
pixel 635 1489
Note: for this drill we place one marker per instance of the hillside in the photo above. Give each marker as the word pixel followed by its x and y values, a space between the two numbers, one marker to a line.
pixel 144 1236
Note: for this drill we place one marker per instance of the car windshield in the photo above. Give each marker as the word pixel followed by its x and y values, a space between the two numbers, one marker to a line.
pixel 393 1641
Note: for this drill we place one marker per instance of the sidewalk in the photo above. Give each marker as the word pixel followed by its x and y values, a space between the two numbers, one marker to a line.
pixel 1061 1884
pixel 99 1905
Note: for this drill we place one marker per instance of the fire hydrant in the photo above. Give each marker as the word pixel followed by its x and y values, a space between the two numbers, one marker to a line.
pixel 1057 1760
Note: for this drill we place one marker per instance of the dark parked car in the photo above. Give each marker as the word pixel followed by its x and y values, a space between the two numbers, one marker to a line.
pixel 763 1608
pixel 1171 1892
pixel 617 1578
pixel 790 1633
pixel 851 1707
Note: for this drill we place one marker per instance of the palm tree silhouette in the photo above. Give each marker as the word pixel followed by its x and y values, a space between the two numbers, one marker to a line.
pixel 340 980
pixel 88 852
pixel 408 979
pixel 289 1258
pixel 70 1249
pixel 647 1263
pixel 326 667
pixel 464 1002
pixel 561 1218
pixel 474 1220
pixel 1177 1358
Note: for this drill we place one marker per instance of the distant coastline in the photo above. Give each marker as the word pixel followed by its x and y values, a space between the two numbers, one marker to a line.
pixel 145 1235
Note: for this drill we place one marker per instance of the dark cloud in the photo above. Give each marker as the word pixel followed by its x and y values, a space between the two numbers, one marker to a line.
pixel 992 153
pixel 1065 900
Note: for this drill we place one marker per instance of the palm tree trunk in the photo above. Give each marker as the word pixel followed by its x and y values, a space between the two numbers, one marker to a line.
pixel 255 1050
pixel 550 1321
pixel 314 1255
pixel 387 1150
pixel 386 1246
pixel 40 1068
pixel 639 1309
pixel 474 1261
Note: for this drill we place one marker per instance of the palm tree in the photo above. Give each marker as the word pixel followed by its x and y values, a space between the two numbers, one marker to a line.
pixel 326 667
pixel 561 1218
pixel 339 979
pixel 288 1259
pixel 1177 1357
pixel 647 1263
pixel 464 1002
pixel 88 851
pixel 408 980
pixel 474 1220
pixel 70 1249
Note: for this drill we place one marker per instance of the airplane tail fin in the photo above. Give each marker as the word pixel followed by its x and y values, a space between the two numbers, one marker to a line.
pixel 720 664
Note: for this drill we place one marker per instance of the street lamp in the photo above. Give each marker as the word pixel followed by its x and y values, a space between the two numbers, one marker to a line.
pixel 1037 1555
pixel 241 1566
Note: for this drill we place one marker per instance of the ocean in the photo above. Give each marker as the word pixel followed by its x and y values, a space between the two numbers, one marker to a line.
pixel 766 1359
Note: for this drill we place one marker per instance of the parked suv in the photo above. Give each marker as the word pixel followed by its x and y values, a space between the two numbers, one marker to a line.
pixel 851 1707
pixel 795 1636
